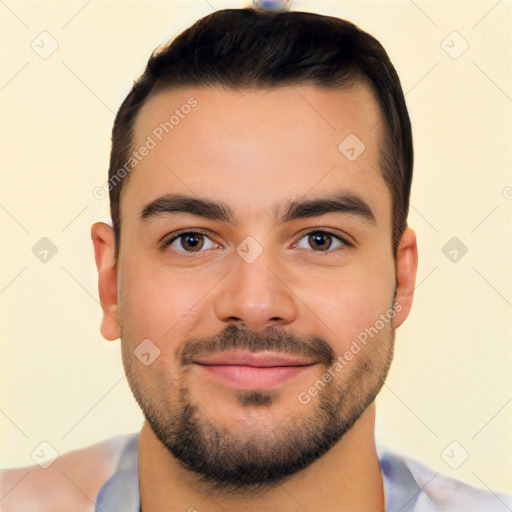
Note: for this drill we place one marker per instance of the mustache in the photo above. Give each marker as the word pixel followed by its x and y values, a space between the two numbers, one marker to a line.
pixel 273 339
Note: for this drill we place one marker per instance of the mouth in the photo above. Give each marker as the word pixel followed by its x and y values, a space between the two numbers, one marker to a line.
pixel 249 370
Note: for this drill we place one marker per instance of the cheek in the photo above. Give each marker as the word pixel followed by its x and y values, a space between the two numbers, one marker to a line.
pixel 350 302
pixel 154 303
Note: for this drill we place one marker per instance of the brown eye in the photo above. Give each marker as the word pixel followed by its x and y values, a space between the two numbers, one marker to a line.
pixel 322 241
pixel 193 242
pixel 319 240
pixel 190 242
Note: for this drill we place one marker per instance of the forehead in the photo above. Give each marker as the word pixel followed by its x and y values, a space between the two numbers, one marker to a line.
pixel 256 149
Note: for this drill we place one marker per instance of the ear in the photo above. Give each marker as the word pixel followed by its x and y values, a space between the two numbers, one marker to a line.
pixel 103 239
pixel 406 267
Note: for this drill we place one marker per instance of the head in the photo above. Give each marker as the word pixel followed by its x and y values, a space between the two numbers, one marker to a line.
pixel 259 186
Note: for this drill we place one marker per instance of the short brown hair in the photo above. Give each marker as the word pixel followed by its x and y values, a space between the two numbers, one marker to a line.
pixel 244 48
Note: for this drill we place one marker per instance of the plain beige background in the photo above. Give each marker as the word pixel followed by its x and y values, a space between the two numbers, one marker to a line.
pixel 450 382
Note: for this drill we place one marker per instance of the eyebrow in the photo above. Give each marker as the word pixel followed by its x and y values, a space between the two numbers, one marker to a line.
pixel 342 202
pixel 178 203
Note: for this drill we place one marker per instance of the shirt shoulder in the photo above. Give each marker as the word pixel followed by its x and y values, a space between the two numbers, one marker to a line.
pixel 71 482
pixel 422 489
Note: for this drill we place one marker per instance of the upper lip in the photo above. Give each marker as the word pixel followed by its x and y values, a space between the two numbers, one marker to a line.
pixel 255 359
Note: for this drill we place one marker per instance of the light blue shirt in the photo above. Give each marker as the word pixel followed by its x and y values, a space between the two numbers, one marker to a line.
pixel 409 486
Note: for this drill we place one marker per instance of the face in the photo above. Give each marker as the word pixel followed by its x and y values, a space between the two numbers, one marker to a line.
pixel 256 257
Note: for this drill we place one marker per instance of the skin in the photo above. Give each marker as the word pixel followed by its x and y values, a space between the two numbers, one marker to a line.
pixel 254 151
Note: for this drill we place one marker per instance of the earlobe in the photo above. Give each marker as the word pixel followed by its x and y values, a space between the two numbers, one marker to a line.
pixel 406 267
pixel 103 239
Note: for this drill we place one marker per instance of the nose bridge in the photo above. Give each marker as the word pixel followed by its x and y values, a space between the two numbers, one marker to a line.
pixel 254 295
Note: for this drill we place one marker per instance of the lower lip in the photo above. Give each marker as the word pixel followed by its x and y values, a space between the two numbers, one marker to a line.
pixel 254 377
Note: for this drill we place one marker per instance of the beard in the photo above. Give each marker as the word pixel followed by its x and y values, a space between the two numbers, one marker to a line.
pixel 257 456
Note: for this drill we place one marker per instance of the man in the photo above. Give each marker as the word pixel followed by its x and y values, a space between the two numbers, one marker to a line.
pixel 258 265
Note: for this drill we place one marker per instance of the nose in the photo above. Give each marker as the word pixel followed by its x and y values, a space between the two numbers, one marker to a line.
pixel 255 295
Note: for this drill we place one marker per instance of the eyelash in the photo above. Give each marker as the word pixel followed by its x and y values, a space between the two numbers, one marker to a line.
pixel 345 242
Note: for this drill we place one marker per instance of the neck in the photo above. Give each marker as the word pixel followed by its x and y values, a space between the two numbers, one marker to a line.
pixel 346 478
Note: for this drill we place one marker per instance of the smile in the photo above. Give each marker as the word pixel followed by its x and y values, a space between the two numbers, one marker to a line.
pixel 254 370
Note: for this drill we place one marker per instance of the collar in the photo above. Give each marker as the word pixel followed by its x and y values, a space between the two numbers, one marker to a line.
pixel 120 493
